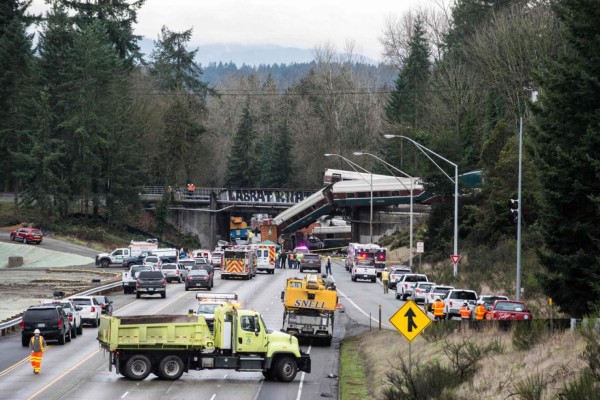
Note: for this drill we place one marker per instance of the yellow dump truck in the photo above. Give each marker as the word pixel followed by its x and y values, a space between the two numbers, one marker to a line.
pixel 169 345
pixel 309 307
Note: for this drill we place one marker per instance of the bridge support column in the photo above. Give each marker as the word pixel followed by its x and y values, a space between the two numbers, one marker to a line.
pixel 213 220
pixel 355 225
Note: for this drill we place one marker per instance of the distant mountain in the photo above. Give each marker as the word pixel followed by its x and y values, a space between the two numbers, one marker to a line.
pixel 285 65
pixel 252 55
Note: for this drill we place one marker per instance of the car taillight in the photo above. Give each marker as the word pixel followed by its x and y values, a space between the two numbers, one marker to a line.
pixel 189 278
pixel 22 324
pixel 406 286
pixel 70 317
pixel 450 303
pixel 59 323
pixel 419 290
pixel 138 283
pixel 206 278
pixel 93 309
pixel 177 272
pixel 164 282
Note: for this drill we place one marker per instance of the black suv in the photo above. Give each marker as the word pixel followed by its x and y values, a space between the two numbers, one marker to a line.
pixel 50 319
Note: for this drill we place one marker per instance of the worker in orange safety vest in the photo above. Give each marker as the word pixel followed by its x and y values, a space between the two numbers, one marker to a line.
pixel 465 312
pixel 480 311
pixel 37 344
pixel 438 308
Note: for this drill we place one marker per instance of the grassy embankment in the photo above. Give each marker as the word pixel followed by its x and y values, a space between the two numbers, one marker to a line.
pixel 500 369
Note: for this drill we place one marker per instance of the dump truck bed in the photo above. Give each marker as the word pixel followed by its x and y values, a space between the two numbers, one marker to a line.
pixel 304 294
pixel 155 332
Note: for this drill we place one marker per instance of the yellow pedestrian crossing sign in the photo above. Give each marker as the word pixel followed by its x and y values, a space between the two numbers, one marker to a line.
pixel 410 320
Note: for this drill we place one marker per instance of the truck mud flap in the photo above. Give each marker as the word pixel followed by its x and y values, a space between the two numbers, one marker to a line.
pixel 304 363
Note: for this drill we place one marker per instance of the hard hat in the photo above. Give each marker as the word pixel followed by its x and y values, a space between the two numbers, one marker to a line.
pixel 437 297
pixel 36 331
pixel 480 302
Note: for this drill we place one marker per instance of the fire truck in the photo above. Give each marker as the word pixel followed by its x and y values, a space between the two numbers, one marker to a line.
pixel 370 251
pixel 238 261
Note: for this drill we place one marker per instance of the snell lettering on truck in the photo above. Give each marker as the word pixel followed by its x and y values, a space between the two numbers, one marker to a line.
pixel 309 304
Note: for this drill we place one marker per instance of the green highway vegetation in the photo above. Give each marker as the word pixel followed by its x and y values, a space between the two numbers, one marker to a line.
pixel 85 120
pixel 528 363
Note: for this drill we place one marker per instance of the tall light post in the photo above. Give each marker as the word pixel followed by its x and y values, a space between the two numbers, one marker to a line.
pixel 360 153
pixel 352 164
pixel 427 153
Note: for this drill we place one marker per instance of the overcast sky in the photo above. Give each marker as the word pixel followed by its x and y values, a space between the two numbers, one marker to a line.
pixel 290 23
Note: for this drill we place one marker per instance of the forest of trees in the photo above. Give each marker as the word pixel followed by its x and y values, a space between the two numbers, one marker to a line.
pixel 85 120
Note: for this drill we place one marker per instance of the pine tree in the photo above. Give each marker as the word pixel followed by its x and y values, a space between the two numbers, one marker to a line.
pixel 16 77
pixel 406 104
pixel 567 145
pixel 118 17
pixel 240 159
pixel 176 73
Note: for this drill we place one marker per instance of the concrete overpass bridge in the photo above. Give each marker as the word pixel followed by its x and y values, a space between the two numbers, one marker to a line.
pixel 206 211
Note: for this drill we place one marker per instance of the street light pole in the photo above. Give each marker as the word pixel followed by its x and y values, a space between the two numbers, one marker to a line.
pixel 353 164
pixel 360 153
pixel 426 150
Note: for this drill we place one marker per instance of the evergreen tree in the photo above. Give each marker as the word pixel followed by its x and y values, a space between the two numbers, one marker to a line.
pixel 567 143
pixel 176 73
pixel 406 104
pixel 282 165
pixel 16 77
pixel 118 17
pixel 240 160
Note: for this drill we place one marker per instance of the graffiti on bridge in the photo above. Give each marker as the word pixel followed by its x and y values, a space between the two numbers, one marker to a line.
pixel 267 196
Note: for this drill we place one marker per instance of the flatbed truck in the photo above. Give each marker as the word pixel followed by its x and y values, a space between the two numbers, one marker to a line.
pixel 169 345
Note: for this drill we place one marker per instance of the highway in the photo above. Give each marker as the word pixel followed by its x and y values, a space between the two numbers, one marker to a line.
pixel 80 369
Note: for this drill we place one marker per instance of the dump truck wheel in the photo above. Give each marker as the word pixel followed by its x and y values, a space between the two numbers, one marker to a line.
pixel 170 368
pixel 138 367
pixel 286 369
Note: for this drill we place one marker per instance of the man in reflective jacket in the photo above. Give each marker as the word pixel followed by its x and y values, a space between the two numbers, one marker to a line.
pixel 37 344
pixel 465 312
pixel 480 311
pixel 438 308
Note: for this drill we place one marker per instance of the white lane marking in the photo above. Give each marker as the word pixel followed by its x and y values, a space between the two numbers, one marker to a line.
pixel 126 393
pixel 302 378
pixel 213 396
pixel 259 389
pixel 361 310
pixel 225 377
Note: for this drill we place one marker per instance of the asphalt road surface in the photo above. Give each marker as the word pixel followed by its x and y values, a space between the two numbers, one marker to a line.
pixel 80 369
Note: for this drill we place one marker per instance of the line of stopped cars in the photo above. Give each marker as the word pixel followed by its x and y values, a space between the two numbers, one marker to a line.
pixel 61 319
pixel 418 288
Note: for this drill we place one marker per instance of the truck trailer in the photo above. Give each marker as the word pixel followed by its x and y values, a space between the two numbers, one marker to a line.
pixel 169 345
pixel 309 308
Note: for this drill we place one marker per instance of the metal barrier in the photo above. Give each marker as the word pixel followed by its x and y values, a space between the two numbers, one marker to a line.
pixel 9 326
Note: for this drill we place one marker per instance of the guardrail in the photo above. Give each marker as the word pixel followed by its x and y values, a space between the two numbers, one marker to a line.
pixel 9 326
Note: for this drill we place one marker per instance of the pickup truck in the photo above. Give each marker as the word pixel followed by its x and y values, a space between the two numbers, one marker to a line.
pixel 151 282
pixel 129 278
pixel 364 269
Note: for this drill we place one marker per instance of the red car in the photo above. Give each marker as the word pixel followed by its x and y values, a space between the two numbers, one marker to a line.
pixel 508 310
pixel 27 235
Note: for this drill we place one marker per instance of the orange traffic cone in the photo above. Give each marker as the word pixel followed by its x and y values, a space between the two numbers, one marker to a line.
pixel 339 306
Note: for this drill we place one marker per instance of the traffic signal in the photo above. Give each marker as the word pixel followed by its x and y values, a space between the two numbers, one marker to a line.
pixel 514 209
